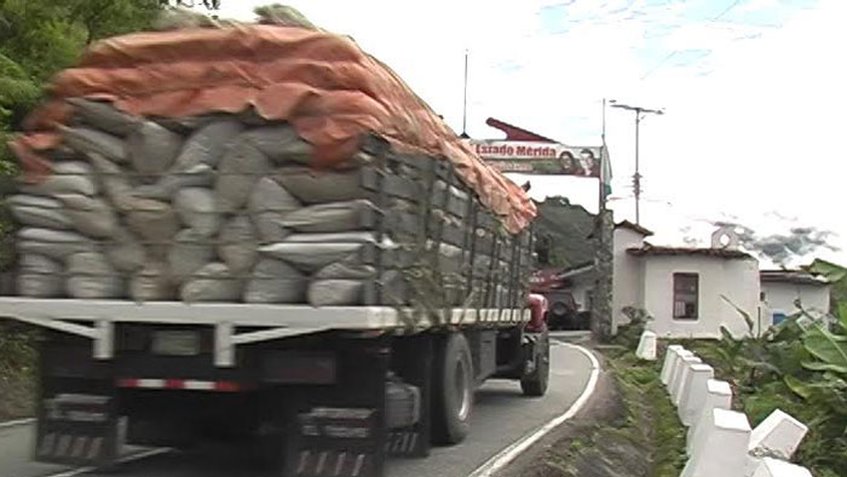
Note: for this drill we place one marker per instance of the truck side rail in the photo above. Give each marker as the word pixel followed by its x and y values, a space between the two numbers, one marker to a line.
pixel 277 321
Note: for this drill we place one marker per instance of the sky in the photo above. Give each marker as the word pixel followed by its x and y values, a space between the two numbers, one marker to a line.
pixel 753 93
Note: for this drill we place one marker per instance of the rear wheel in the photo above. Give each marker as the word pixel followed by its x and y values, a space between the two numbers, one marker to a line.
pixel 535 383
pixel 452 399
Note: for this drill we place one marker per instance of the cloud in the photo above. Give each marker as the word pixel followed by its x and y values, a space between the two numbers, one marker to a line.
pixel 754 100
pixel 783 248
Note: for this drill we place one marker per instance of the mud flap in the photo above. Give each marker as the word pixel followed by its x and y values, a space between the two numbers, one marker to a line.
pixel 414 365
pixel 340 432
pixel 77 413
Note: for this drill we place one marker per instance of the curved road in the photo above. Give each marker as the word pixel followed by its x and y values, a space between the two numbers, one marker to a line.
pixel 501 416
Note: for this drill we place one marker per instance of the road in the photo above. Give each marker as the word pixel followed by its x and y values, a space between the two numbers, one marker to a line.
pixel 501 416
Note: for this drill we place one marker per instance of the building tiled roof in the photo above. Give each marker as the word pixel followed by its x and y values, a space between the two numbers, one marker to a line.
pixel 653 250
pixel 626 224
pixel 792 276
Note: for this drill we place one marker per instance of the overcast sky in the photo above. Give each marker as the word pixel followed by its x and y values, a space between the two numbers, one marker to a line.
pixel 753 92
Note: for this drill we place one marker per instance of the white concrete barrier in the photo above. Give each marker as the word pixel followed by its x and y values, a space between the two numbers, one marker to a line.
pixel 647 346
pixel 677 369
pixel 693 392
pixel 671 354
pixel 778 435
pixel 685 365
pixel 718 396
pixel 770 467
pixel 721 450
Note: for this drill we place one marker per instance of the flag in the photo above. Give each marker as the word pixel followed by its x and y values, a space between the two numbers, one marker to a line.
pixel 605 171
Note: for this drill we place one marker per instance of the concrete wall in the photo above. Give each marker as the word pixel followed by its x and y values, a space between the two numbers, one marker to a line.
pixel 580 290
pixel 779 297
pixel 626 277
pixel 737 279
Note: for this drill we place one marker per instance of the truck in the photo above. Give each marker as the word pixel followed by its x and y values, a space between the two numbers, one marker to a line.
pixel 327 390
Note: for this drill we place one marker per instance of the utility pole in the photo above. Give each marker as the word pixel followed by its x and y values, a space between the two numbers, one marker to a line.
pixel 640 113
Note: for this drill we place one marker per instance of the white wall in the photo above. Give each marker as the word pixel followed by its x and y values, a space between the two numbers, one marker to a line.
pixel 737 279
pixel 779 298
pixel 580 290
pixel 626 275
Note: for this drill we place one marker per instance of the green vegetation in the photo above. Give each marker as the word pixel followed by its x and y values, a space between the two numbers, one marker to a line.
pixel 563 230
pixel 17 371
pixel 643 437
pixel 799 366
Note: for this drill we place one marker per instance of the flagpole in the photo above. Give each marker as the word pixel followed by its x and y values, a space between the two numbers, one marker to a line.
pixel 602 187
pixel 465 101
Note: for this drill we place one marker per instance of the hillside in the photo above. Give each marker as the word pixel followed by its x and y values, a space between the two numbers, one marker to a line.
pixel 564 228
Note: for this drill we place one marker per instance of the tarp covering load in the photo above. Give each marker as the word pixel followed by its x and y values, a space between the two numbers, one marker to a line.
pixel 324 85
pixel 262 164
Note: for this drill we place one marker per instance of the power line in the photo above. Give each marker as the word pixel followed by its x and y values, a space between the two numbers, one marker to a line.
pixel 673 53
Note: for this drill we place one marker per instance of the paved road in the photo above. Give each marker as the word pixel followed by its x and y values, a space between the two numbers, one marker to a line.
pixel 501 416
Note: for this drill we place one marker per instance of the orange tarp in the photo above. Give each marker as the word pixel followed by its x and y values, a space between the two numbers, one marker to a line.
pixel 323 84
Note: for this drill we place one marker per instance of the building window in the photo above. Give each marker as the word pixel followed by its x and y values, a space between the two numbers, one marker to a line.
pixel 686 291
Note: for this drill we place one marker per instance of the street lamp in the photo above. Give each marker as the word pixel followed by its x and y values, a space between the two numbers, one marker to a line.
pixel 640 112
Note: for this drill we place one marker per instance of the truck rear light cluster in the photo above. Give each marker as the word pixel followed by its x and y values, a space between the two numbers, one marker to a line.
pixel 181 384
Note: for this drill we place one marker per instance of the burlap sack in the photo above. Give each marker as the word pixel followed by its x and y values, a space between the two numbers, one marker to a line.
pixel 190 252
pixel 71 177
pixel 208 144
pixel 335 292
pixel 280 143
pixel 113 181
pixel 199 175
pixel 88 141
pixel 152 283
pixel 238 245
pixel 54 244
pixel 35 211
pixel 311 257
pixel 103 116
pixel 213 282
pixel 274 281
pixel 154 221
pixel 318 187
pixel 124 251
pixel 152 148
pixel 331 217
pixel 346 270
pixel 40 277
pixel 238 172
pixel 90 276
pixel 196 209
pixel 91 216
pixel 268 205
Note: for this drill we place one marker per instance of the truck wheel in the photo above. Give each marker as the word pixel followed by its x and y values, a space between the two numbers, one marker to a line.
pixel 452 398
pixel 535 384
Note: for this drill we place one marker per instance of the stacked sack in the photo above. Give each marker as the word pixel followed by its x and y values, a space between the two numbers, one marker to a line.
pixel 211 208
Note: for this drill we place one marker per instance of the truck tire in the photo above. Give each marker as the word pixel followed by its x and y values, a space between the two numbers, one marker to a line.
pixel 452 386
pixel 535 383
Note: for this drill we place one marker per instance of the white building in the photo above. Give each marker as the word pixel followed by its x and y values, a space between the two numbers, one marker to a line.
pixel 689 292
pixel 782 290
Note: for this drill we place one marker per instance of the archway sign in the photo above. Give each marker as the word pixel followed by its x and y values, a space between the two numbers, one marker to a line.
pixel 525 152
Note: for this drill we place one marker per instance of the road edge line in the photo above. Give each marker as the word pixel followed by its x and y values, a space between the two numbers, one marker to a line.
pixel 122 460
pixel 507 455
pixel 16 422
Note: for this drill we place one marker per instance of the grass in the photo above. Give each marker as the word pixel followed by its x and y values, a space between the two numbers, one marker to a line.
pixel 652 418
pixel 639 434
